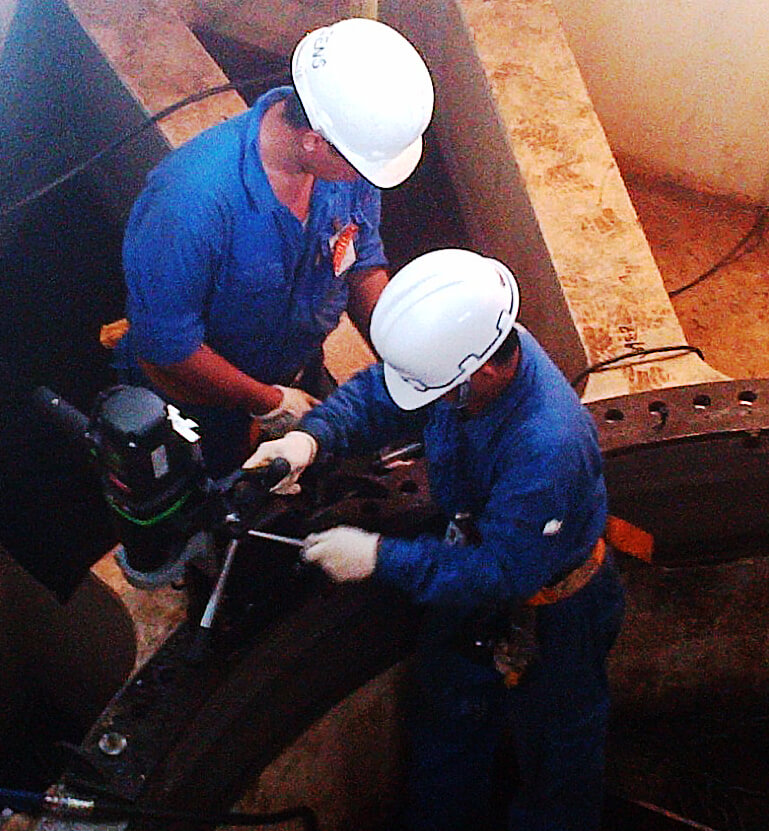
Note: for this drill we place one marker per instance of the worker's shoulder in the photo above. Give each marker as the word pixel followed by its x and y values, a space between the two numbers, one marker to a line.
pixel 210 160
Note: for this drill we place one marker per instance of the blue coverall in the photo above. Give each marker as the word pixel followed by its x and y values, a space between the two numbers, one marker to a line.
pixel 529 470
pixel 210 255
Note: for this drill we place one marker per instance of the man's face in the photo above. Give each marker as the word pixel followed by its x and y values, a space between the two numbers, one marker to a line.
pixel 332 166
pixel 486 384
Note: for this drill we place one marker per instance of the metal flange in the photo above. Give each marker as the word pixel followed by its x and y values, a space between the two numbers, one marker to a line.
pixel 691 465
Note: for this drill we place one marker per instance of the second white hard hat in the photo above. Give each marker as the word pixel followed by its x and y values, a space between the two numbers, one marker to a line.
pixel 440 318
pixel 367 91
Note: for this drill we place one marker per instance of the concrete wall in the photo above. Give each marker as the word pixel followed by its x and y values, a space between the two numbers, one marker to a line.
pixel 680 86
pixel 60 103
pixel 540 189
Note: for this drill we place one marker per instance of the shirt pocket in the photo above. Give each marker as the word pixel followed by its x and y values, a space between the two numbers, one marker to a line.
pixel 252 303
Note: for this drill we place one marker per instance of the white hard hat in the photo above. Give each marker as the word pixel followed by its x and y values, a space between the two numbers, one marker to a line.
pixel 441 317
pixel 367 91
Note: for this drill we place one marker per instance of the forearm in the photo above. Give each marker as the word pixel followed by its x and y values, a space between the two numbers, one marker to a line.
pixel 365 288
pixel 431 571
pixel 359 417
pixel 205 377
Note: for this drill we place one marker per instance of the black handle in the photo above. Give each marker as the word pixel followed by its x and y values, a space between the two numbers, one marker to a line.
pixel 61 413
pixel 262 477
pixel 202 646
pixel 276 470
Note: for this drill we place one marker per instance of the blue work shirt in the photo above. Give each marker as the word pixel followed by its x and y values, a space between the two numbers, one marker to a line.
pixel 210 255
pixel 528 468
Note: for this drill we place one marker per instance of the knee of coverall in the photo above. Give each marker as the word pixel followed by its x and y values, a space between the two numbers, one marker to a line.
pixel 446 686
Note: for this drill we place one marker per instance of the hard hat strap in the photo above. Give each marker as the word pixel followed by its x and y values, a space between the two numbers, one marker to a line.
pixel 463 396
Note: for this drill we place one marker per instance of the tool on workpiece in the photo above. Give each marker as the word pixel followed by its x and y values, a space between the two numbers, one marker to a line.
pixel 270 475
pixel 164 506
pixel 202 642
pixel 167 512
pixel 266 535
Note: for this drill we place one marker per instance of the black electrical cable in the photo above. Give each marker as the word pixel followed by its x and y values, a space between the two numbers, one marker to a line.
pixel 302 813
pixel 746 245
pixel 601 366
pixel 7 210
pixel 104 809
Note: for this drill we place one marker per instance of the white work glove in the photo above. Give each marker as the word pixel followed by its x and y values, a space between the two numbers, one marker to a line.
pixel 294 404
pixel 297 448
pixel 344 553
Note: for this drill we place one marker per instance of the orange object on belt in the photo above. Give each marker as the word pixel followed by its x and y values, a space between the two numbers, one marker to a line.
pixel 629 538
pixel 111 333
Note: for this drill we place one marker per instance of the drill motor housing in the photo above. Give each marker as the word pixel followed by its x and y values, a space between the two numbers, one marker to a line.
pixel 151 473
pixel 146 466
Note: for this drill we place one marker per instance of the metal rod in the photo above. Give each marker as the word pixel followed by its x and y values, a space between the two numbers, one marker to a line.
pixel 297 543
pixel 206 621
pixel 401 453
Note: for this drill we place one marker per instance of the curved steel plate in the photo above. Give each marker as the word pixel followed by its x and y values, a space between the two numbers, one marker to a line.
pixel 691 466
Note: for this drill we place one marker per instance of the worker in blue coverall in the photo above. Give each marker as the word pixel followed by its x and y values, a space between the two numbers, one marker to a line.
pixel 508 443
pixel 249 241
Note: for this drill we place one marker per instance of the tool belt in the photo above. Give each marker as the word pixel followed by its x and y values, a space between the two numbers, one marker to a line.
pixel 514 651
pixel 574 580
pixel 507 639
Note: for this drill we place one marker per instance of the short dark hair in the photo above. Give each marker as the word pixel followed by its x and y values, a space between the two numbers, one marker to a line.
pixel 507 350
pixel 294 114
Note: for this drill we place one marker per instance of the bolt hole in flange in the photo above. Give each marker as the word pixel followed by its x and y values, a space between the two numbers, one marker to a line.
pixel 747 398
pixel 659 409
pixel 614 415
pixel 702 402
pixel 112 744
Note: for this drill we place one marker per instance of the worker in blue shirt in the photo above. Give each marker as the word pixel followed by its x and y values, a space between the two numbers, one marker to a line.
pixel 513 461
pixel 249 241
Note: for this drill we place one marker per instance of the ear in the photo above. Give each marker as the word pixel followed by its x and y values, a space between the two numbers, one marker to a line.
pixel 497 374
pixel 311 141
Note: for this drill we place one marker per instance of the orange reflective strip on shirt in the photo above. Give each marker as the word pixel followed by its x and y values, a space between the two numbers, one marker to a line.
pixel 346 236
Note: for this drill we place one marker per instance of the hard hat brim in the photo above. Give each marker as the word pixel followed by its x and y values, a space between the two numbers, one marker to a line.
pixel 405 395
pixel 390 173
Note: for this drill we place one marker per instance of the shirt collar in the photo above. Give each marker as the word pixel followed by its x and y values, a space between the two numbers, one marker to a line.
pixel 254 178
